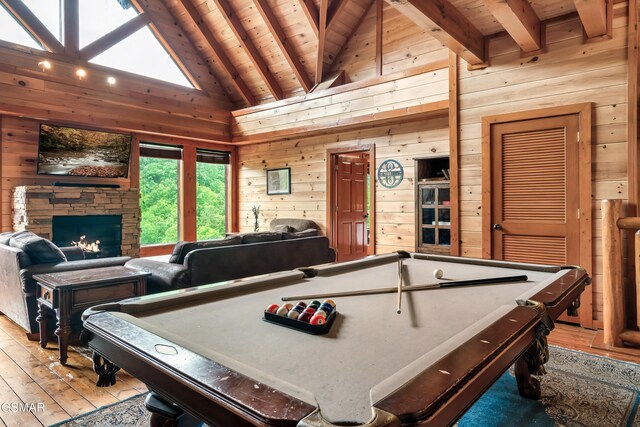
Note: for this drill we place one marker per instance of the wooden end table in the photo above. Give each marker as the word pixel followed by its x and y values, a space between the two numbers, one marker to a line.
pixel 70 292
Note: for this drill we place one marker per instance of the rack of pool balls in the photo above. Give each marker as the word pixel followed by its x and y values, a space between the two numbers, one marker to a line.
pixel 315 318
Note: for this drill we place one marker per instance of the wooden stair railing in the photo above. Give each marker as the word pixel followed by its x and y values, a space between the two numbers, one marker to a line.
pixel 614 320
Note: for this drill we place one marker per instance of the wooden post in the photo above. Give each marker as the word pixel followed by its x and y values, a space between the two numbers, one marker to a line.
pixel 637 257
pixel 613 307
pixel 187 199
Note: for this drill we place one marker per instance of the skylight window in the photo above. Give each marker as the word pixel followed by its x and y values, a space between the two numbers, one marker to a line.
pixel 12 31
pixel 100 17
pixel 48 12
pixel 140 53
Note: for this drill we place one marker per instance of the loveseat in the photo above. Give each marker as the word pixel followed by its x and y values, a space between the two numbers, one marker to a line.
pixel 234 257
pixel 24 254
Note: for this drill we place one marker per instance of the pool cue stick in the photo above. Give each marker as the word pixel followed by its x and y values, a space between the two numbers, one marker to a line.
pixel 399 285
pixel 493 280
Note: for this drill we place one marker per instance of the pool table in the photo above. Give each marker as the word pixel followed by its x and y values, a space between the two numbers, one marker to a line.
pixel 206 353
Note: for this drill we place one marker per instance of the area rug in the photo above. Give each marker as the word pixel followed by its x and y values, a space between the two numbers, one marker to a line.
pixel 579 390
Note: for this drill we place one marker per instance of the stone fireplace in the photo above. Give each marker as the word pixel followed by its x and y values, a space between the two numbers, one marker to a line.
pixel 87 209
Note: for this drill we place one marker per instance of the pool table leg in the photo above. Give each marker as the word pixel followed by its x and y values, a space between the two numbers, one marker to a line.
pixel 528 386
pixel 164 414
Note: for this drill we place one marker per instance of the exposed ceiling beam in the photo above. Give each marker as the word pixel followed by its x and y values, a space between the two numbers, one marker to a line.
pixel 520 21
pixel 593 14
pixel 334 11
pixel 32 24
pixel 311 12
pixel 287 49
pixel 218 52
pixel 188 56
pixel 116 36
pixel 445 23
pixel 71 27
pixel 250 48
pixel 322 33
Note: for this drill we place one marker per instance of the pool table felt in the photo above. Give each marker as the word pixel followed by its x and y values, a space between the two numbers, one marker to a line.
pixel 369 352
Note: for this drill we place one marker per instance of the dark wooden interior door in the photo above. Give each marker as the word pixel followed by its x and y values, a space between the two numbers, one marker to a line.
pixel 535 191
pixel 351 211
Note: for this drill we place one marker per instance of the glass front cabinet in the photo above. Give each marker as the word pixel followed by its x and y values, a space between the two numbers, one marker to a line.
pixel 433 207
pixel 434 218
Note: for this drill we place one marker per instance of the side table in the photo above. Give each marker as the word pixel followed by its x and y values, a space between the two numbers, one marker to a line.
pixel 67 293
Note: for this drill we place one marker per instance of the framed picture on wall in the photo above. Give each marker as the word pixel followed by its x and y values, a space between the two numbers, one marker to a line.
pixel 279 181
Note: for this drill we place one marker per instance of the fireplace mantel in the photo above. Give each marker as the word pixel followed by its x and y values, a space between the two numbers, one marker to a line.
pixel 34 207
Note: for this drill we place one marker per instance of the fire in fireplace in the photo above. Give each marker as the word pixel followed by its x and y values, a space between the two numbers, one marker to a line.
pixel 100 235
pixel 84 244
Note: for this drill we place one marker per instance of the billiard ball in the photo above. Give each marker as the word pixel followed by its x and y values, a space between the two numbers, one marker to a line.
pixel 318 319
pixel 315 304
pixel 330 302
pixel 297 310
pixel 309 310
pixel 326 307
pixel 282 311
pixel 437 273
pixel 305 317
pixel 272 308
pixel 322 313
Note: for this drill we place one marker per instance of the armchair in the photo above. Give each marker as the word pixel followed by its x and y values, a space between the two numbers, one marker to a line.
pixel 19 262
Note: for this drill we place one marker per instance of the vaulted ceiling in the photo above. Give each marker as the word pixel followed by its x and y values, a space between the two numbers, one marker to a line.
pixel 265 50
pixel 257 51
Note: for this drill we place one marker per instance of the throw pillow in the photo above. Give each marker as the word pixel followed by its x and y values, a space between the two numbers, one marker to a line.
pixel 5 237
pixel 284 228
pixel 39 249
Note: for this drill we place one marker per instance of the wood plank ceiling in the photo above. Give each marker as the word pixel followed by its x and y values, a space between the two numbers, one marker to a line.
pixel 266 50
pixel 258 51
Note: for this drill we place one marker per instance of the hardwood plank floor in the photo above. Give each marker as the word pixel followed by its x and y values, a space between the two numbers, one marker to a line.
pixel 31 375
pixel 576 338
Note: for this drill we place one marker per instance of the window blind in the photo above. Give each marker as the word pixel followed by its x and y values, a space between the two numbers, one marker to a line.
pixel 160 151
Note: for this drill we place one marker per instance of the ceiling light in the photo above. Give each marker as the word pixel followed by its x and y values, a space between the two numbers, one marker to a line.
pixel 111 81
pixel 44 65
pixel 81 73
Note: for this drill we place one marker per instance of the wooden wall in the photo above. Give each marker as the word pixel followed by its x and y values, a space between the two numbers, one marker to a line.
pixel 150 110
pixel 133 104
pixel 404 46
pixel 569 72
pixel 331 108
pixel 307 159
pixel 18 163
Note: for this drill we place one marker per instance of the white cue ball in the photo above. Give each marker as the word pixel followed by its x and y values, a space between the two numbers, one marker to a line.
pixel 437 273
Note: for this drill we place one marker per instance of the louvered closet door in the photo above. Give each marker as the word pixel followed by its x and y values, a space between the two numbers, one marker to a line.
pixel 535 191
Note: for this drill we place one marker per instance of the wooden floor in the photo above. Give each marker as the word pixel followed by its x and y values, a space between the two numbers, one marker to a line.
pixel 32 375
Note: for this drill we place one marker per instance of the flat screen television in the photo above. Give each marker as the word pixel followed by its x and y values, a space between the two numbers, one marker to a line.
pixel 67 151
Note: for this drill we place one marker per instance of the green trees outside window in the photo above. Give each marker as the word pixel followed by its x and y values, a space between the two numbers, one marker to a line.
pixel 211 200
pixel 159 183
pixel 158 200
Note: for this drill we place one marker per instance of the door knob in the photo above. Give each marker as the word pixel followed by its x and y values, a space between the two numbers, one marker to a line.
pixel 497 227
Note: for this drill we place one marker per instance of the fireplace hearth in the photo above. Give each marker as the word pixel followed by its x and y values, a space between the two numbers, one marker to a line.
pixel 107 229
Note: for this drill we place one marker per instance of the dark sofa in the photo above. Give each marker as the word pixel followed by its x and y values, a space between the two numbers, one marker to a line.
pixel 235 257
pixel 23 255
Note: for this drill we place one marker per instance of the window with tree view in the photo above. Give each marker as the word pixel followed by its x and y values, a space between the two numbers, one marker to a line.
pixel 159 183
pixel 211 194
